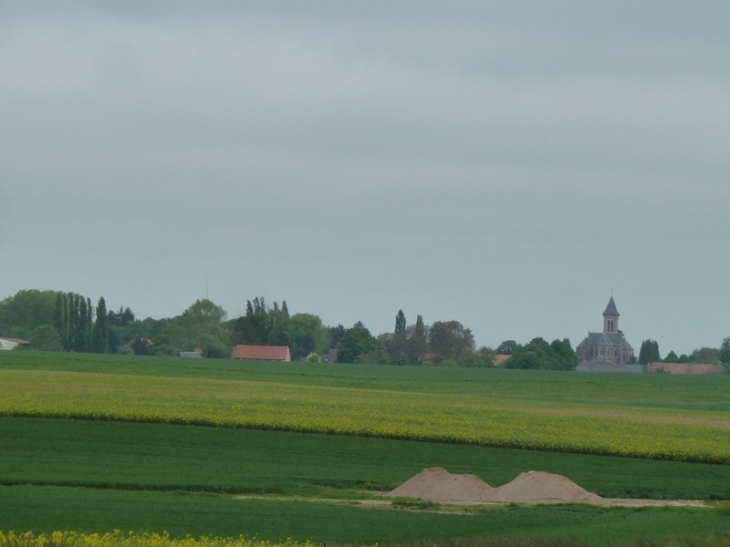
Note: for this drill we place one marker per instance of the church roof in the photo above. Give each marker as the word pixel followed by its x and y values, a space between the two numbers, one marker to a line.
pixel 605 339
pixel 611 308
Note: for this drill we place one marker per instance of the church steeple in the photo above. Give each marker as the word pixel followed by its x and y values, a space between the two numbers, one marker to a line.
pixel 610 317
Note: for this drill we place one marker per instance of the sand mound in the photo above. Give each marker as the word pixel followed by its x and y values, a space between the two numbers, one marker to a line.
pixel 437 484
pixel 540 487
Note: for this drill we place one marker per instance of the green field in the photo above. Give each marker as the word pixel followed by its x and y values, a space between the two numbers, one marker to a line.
pixel 133 463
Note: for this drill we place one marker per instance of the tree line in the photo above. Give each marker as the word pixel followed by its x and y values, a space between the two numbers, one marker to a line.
pixel 58 321
pixel 649 353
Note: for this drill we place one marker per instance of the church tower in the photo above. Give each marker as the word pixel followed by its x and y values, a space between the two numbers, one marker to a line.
pixel 609 346
pixel 610 317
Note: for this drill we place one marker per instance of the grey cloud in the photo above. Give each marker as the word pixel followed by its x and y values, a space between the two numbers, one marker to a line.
pixel 492 162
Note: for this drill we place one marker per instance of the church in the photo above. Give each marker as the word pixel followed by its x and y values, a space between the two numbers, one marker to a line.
pixel 609 346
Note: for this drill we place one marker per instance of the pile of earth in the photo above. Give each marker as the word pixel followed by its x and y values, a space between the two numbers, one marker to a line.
pixel 437 484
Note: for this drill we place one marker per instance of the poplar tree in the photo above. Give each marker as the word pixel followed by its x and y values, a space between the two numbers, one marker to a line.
pixel 89 324
pixel 82 333
pixel 400 323
pixel 58 313
pixel 73 321
pixel 101 328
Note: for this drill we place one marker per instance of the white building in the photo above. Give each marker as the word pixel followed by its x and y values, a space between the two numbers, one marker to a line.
pixel 12 343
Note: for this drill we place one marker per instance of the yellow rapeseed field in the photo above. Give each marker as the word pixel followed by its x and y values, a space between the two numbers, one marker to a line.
pixel 118 539
pixel 583 428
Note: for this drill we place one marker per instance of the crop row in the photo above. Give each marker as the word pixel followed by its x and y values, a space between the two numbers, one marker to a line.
pixel 566 427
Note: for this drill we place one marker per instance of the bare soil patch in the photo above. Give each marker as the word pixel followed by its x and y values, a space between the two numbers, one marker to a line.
pixel 437 484
pixel 533 487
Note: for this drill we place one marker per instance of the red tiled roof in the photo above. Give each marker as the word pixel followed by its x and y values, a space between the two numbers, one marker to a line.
pixel 500 359
pixel 261 353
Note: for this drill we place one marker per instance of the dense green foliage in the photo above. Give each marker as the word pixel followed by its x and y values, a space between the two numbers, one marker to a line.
pixel 539 355
pixel 26 310
pixel 649 352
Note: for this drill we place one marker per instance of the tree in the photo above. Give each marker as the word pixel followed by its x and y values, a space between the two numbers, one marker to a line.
pixel 483 358
pixel 140 346
pixel 123 318
pixel 82 333
pixel 73 321
pixel 724 354
pixel 526 359
pixel 306 335
pixel 649 352
pixel 101 328
pixel 313 357
pixel 58 319
pixel 538 354
pixel 400 323
pixel 162 345
pixel 564 357
pixel 508 347
pixel 417 340
pixel 450 340
pixel 45 338
pixel 336 334
pixel 356 342
pixel 705 355
pixel 204 329
pixel 278 325
pixel 26 310
pixel 262 325
pixel 671 358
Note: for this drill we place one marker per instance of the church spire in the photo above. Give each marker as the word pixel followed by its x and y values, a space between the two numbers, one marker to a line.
pixel 610 317
pixel 611 308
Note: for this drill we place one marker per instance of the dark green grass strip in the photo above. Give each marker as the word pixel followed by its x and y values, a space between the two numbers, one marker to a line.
pixel 122 455
pixel 644 390
pixel 43 509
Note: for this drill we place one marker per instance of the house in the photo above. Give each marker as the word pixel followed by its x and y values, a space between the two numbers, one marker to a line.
pixel 261 353
pixel 609 346
pixel 12 343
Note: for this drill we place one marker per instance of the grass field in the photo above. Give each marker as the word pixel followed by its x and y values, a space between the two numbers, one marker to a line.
pixel 92 510
pixel 122 455
pixel 133 464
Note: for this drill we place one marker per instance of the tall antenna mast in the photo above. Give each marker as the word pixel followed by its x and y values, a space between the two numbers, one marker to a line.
pixel 206 288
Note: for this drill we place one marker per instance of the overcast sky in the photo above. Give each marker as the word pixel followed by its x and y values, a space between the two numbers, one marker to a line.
pixel 502 163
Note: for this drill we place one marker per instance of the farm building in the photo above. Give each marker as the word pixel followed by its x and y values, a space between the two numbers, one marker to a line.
pixel 685 368
pixel 609 346
pixel 12 343
pixel 261 353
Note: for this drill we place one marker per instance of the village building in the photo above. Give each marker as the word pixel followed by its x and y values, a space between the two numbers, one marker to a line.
pixel 609 346
pixel 261 353
pixel 12 343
